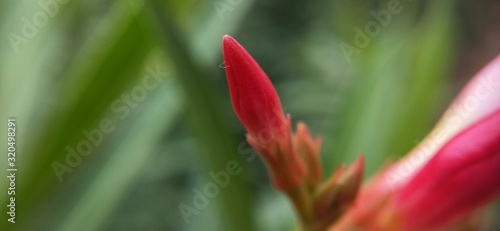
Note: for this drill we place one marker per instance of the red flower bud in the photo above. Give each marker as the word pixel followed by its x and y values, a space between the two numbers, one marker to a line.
pixel 460 178
pixel 258 107
pixel 253 96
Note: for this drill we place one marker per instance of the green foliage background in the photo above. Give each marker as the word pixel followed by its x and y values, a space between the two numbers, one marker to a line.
pixel 64 79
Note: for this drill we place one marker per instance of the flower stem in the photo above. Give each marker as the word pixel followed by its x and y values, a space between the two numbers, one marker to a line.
pixel 301 199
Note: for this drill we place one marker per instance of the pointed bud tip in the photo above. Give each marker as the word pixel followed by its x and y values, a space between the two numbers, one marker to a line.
pixel 360 163
pixel 226 39
pixel 229 42
pixel 357 167
pixel 254 99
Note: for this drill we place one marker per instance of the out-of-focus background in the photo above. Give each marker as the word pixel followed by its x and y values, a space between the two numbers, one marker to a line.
pixel 123 116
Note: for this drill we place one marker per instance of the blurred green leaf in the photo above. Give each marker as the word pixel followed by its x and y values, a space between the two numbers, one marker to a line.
pixel 217 147
pixel 397 84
